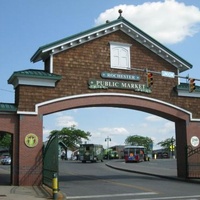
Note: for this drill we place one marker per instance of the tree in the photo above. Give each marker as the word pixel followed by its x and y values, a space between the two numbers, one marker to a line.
pixel 5 140
pixel 71 136
pixel 140 141
pixel 167 143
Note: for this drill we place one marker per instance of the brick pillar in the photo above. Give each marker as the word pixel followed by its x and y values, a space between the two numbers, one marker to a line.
pixel 193 129
pixel 181 143
pixel 30 158
pixel 184 132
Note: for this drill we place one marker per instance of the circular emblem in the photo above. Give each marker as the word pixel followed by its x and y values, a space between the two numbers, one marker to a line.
pixel 194 141
pixel 31 140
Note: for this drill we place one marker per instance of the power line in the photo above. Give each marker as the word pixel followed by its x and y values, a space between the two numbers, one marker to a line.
pixel 161 73
pixel 6 90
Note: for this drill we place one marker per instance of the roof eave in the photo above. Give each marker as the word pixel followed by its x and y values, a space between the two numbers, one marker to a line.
pixel 119 24
pixel 36 57
pixel 19 75
pixel 49 47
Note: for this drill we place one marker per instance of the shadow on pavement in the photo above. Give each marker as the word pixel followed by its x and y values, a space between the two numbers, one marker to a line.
pixel 5 177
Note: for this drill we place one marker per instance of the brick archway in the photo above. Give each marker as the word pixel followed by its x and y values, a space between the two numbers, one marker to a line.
pixel 136 102
pixel 107 65
pixel 185 126
pixel 31 174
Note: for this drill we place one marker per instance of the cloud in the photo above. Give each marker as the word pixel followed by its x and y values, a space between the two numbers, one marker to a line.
pixel 46 134
pixel 153 118
pixel 99 137
pixel 65 121
pixel 114 131
pixel 168 128
pixel 169 22
pixel 60 121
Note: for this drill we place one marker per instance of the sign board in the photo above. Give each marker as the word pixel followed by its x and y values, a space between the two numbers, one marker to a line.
pixel 194 141
pixel 110 75
pixel 106 84
pixel 167 74
pixel 31 140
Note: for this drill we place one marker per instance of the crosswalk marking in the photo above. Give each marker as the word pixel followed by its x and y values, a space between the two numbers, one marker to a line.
pixel 110 195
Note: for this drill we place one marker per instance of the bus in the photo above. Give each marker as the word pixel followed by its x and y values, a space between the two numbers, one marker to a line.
pixel 134 153
pixel 110 154
pixel 91 152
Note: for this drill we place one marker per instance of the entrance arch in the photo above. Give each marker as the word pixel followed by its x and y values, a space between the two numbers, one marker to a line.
pixel 85 70
pixel 9 124
pixel 8 151
pixel 136 102
pixel 182 118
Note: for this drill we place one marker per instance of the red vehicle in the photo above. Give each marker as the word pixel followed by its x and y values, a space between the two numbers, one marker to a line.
pixel 134 154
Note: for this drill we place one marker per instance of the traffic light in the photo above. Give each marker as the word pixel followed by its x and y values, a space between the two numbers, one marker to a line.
pixel 192 86
pixel 149 79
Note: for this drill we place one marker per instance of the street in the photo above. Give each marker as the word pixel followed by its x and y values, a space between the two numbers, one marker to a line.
pixel 97 181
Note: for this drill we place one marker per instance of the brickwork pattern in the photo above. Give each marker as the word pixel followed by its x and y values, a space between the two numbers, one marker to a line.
pixel 87 61
pixel 77 66
pixel 30 159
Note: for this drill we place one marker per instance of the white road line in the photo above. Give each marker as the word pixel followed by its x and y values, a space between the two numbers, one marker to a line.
pixel 170 198
pixel 110 195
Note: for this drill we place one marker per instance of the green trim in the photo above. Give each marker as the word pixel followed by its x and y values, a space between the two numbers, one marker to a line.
pixel 37 56
pixel 8 107
pixel 185 86
pixel 64 40
pixel 33 73
pixel 156 42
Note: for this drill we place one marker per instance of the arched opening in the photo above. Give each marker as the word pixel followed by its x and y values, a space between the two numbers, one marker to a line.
pixel 6 157
pixel 148 105
pixel 116 123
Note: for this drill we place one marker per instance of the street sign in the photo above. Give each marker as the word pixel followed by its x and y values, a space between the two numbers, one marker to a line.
pixel 167 74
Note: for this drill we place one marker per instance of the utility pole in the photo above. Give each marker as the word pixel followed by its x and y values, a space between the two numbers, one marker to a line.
pixel 108 140
pixel 172 147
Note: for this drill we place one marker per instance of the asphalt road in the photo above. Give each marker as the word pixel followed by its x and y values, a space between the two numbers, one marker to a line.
pixel 96 181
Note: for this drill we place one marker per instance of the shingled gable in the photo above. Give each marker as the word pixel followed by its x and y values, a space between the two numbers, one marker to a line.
pixel 120 24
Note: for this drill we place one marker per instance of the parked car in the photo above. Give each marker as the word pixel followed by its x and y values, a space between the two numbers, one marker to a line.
pixel 3 156
pixel 6 161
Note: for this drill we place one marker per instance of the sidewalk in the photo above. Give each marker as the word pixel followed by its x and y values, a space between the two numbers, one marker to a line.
pixel 164 168
pixel 24 192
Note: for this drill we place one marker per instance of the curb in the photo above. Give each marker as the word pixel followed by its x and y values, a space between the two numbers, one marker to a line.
pixel 61 195
pixel 157 175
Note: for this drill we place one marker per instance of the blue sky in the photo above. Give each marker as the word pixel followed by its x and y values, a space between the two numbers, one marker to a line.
pixel 27 25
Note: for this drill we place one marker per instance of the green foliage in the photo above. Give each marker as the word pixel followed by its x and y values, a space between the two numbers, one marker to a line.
pixel 139 141
pixel 5 140
pixel 71 136
pixel 167 143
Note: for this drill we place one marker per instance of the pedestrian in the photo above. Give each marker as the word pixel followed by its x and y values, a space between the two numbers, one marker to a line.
pixel 63 155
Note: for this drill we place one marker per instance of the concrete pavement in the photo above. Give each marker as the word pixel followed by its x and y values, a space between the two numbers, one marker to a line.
pixel 160 167
pixel 23 192
pixel 164 168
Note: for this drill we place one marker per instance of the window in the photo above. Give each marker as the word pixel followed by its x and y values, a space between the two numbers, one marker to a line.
pixel 120 55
